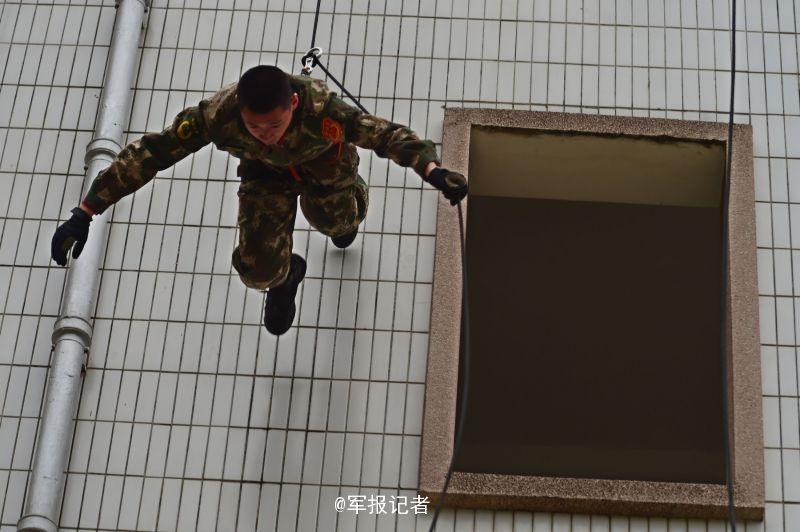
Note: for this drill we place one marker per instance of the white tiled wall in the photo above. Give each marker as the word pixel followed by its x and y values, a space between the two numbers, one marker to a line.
pixel 193 417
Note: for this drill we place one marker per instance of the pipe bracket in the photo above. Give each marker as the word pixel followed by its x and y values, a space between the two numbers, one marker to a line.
pixel 72 325
pixel 101 146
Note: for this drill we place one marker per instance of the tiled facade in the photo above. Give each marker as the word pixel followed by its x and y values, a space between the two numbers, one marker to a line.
pixel 192 417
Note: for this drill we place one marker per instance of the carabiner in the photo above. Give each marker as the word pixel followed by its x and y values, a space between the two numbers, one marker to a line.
pixel 310 60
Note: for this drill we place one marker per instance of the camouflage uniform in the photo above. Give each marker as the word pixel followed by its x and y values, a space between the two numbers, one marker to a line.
pixel 316 159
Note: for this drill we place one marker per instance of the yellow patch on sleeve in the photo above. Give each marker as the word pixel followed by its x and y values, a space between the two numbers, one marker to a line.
pixel 185 130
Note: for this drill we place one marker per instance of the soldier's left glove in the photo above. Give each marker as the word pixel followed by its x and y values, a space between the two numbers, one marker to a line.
pixel 452 184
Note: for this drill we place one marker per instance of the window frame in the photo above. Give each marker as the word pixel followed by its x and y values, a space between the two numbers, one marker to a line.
pixel 625 497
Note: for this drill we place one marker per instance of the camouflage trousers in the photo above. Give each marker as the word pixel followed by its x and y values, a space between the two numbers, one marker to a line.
pixel 267 211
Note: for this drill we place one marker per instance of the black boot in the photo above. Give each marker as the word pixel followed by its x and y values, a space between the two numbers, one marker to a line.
pixel 342 241
pixel 280 308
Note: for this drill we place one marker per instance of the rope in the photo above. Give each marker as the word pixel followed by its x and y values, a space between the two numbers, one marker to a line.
pixel 316 19
pixel 311 60
pixel 464 338
pixel 316 62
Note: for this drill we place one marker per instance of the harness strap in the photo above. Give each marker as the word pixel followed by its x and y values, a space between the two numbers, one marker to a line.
pixel 293 170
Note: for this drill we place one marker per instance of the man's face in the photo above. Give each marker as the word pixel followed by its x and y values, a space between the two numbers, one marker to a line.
pixel 269 127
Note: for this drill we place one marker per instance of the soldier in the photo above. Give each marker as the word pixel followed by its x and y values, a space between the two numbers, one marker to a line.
pixel 294 137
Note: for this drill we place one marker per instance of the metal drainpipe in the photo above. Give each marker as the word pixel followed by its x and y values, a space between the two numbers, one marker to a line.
pixel 72 333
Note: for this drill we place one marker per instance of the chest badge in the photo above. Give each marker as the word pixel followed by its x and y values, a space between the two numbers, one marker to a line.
pixel 332 130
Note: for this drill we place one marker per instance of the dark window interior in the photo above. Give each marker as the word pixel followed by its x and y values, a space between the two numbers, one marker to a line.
pixel 594 317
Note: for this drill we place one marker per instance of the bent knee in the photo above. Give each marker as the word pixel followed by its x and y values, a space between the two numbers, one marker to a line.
pixel 261 273
pixel 336 215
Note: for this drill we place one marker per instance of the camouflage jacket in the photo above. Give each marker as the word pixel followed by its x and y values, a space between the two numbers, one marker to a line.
pixel 318 144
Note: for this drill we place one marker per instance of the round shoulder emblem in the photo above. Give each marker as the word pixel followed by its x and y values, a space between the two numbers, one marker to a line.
pixel 332 130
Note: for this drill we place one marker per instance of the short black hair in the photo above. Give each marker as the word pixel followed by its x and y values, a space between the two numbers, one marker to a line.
pixel 263 88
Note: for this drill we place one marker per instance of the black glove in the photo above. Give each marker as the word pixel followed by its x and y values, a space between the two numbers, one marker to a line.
pixel 452 184
pixel 73 231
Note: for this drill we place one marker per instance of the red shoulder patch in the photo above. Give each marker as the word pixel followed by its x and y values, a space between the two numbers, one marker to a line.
pixel 332 130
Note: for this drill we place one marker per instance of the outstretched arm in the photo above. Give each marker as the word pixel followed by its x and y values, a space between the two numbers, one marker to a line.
pixel 143 158
pixel 393 141
pixel 387 139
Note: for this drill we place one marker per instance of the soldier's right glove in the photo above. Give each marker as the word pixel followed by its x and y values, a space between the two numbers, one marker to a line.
pixel 452 184
pixel 73 231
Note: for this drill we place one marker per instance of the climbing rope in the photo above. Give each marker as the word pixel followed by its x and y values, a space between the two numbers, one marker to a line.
pixel 312 59
pixel 462 414
pixel 308 62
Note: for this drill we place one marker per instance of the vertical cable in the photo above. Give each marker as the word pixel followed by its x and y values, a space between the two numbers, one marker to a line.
pixel 316 19
pixel 465 342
